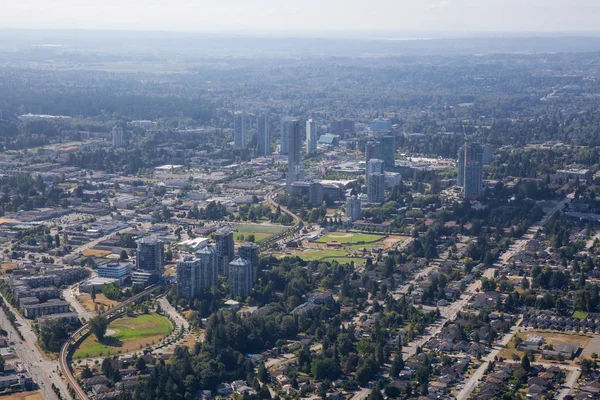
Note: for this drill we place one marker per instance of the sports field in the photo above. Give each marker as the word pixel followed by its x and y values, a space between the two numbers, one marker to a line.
pixel 260 231
pixel 125 335
pixel 349 238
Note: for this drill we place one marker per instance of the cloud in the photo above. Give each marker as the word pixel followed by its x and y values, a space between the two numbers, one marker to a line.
pixel 439 5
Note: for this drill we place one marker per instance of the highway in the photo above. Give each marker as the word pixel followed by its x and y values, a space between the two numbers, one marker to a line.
pixel 65 365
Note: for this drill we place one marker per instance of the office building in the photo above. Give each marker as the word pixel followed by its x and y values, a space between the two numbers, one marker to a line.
pixel 387 151
pixel 372 150
pixel 380 124
pixel 250 251
pixel 376 187
pixel 342 126
pixel 295 166
pixel 383 148
pixel 117 137
pixel 209 269
pixel 374 166
pixel 148 261
pixel 263 135
pixel 115 270
pixel 240 277
pixel 188 277
pixel 286 127
pixel 239 131
pixel 353 208
pixel 392 180
pixel 311 136
pixel 225 249
pixel 470 170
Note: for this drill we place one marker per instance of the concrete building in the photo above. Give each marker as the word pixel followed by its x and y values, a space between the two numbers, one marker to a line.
pixel 53 306
pixel 239 130
pixel 387 151
pixel 342 126
pixel 225 250
pixel 250 251
pixel 263 135
pixel 311 136
pixel 380 124
pixel 115 270
pixel 383 148
pixel 353 211
pixel 374 166
pixel 189 277
pixel 97 283
pixel 240 277
pixel 376 188
pixel 470 170
pixel 295 166
pixel 209 267
pixel 117 137
pixel 149 260
pixel 286 123
pixel 393 179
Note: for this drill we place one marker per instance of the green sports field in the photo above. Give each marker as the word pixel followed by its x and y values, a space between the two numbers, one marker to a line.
pixel 125 335
pixel 349 238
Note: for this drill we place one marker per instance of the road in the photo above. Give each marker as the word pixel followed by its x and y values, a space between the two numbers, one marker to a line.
pixel 94 242
pixel 70 296
pixel 44 372
pixel 471 384
pixel 175 316
pixel 569 384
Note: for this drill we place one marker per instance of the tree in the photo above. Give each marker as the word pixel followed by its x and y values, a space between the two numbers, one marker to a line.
pixel 262 373
pixel 2 362
pixel 93 294
pixel 87 372
pixel 123 255
pixel 98 325
pixel 525 363
pixel 140 364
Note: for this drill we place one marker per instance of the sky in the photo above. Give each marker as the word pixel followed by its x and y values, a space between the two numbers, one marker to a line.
pixel 304 15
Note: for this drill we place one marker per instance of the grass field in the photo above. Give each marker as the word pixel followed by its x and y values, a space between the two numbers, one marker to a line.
pixel 129 334
pixel 259 228
pixel 5 267
pixel 88 304
pixel 96 253
pixel 549 337
pixel 349 238
pixel 35 395
pixel 580 315
pixel 259 231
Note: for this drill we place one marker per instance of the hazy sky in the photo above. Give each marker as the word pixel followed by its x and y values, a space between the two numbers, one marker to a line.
pixel 277 15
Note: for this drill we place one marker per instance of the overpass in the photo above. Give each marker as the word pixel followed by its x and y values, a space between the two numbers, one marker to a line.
pixel 292 229
pixel 82 332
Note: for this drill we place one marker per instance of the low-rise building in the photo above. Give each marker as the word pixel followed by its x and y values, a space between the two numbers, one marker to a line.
pixel 53 306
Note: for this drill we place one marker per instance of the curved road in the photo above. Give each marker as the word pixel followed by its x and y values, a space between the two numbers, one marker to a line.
pixel 297 221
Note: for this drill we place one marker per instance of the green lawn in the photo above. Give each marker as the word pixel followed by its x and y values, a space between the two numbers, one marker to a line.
pixel 580 315
pixel 259 228
pixel 129 334
pixel 243 236
pixel 349 238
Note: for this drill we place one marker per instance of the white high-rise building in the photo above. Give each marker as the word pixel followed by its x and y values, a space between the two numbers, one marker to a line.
pixel 239 131
pixel 286 126
pixel 209 267
pixel 374 166
pixel 376 188
pixel 117 137
pixel 353 208
pixel 295 166
pixel 311 136
pixel 189 277
pixel 470 170
pixel 240 277
pixel 263 135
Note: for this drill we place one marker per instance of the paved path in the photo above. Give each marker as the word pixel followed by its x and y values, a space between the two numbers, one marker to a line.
pixel 70 296
pixel 569 384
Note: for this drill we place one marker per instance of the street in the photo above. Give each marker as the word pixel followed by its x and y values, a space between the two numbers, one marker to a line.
pixel 44 372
